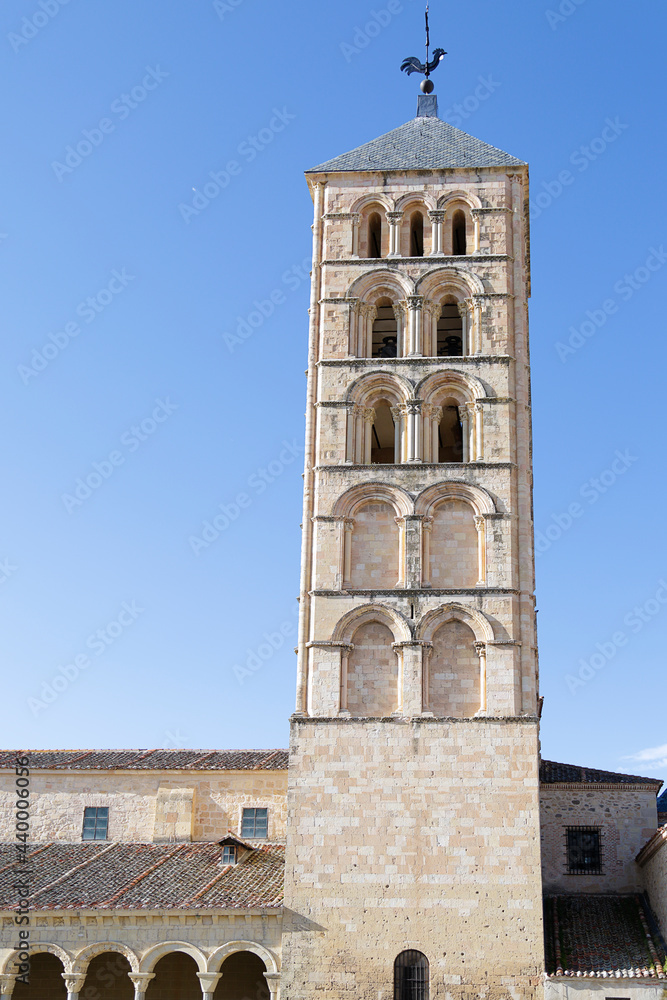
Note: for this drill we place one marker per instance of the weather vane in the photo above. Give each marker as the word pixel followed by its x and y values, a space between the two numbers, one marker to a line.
pixel 413 65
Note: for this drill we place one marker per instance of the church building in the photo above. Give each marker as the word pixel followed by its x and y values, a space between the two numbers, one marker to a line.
pixel 411 844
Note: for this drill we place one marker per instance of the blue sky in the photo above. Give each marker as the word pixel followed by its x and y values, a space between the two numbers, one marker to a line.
pixel 129 354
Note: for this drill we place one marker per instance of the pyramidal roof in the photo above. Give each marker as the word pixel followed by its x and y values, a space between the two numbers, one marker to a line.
pixel 424 143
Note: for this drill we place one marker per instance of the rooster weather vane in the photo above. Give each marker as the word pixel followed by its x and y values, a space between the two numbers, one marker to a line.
pixel 413 65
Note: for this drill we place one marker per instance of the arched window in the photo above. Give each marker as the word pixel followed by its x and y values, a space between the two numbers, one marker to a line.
pixel 450 331
pixel 374 549
pixel 372 673
pixel 383 439
pixel 459 238
pixel 417 235
pixel 374 235
pixel 453 547
pixel 411 976
pixel 385 330
pixel 454 673
pixel 450 433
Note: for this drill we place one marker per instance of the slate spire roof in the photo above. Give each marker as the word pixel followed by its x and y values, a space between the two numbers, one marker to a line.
pixel 424 143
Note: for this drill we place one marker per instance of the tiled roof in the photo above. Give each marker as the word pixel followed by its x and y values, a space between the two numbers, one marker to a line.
pixel 143 877
pixel 420 144
pixel 551 773
pixel 149 760
pixel 601 937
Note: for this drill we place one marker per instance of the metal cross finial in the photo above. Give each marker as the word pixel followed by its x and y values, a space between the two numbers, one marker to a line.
pixel 413 65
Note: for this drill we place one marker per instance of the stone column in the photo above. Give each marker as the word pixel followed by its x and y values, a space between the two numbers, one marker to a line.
pixel 400 424
pixel 427 524
pixel 413 551
pixel 273 982
pixel 7 984
pixel 411 413
pixel 467 424
pixel 349 433
pixel 345 650
pixel 400 312
pixel 430 316
pixel 427 649
pixel 481 652
pixel 140 981
pixel 400 521
pixel 476 441
pixel 476 227
pixel 348 528
pixel 480 524
pixel 414 339
pixel 464 313
pixel 475 310
pixel 431 416
pixel 208 982
pixel 366 331
pixel 394 219
pixel 74 982
pixel 369 417
pixel 437 223
pixel 355 322
pixel 355 219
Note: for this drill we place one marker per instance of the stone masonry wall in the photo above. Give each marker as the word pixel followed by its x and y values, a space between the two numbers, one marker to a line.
pixel 136 799
pixel 627 818
pixel 413 835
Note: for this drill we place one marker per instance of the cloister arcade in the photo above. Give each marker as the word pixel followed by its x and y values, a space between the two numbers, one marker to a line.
pixel 173 970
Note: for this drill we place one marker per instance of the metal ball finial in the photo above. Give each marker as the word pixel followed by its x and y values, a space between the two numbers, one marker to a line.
pixel 427 86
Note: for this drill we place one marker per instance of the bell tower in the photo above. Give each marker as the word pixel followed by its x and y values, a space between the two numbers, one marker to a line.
pixel 413 865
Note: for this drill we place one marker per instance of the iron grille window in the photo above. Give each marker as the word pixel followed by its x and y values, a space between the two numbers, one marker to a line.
pixel 584 856
pixel 255 824
pixel 229 854
pixel 95 823
pixel 411 976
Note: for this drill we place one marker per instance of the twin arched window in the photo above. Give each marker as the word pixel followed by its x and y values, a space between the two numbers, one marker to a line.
pixel 448 233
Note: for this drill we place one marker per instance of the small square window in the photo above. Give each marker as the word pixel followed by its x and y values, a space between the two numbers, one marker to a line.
pixel 584 856
pixel 255 824
pixel 95 823
pixel 228 854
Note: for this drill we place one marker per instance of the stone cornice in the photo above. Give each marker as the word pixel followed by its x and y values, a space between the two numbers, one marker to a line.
pixel 476 359
pixel 426 592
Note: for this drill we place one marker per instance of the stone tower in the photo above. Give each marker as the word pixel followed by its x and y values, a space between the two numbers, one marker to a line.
pixel 413 830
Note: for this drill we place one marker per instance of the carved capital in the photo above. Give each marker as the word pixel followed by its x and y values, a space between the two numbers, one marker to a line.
pixel 415 301
pixel 74 982
pixel 6 984
pixel 432 412
pixel 369 414
pixel 480 522
pixel 140 981
pixel 393 218
pixel 437 215
pixel 480 648
pixel 209 981
pixel 355 218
